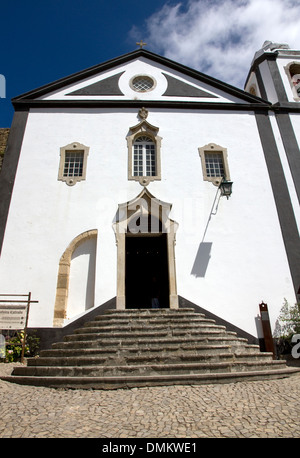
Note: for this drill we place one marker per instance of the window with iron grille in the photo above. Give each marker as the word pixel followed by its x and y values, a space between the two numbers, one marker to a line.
pixel 142 83
pixel 144 151
pixel 214 165
pixel 73 163
pixel 144 157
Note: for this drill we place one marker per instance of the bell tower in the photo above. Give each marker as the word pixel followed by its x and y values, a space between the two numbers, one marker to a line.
pixel 275 77
pixel 275 74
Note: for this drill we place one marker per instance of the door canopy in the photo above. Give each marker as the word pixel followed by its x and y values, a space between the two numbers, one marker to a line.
pixel 145 214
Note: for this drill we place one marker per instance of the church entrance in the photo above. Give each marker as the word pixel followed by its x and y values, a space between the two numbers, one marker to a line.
pixel 146 270
pixel 145 239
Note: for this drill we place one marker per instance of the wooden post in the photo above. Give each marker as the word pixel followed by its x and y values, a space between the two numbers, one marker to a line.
pixel 25 328
pixel 265 321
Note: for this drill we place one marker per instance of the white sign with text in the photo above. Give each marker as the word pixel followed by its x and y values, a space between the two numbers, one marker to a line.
pixel 13 316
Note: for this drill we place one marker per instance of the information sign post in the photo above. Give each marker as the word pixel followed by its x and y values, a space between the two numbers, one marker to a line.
pixel 14 314
pixel 265 320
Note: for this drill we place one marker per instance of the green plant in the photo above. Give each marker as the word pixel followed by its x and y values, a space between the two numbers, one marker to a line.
pixel 33 343
pixel 287 324
pixel 2 348
pixel 13 348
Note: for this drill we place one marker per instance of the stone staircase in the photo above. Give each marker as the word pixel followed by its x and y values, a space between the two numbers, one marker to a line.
pixel 133 348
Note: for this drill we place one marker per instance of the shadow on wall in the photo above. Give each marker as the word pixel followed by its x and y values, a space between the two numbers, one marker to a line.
pixel 204 251
pixel 202 259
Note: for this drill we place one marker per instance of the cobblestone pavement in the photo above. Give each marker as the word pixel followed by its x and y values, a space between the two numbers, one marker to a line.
pixel 266 409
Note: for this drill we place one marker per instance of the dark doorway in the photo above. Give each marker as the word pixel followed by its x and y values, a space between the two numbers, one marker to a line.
pixel 146 258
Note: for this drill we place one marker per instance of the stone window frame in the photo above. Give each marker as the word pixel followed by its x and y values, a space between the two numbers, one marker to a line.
pixel 141 129
pixel 214 148
pixel 287 69
pixel 74 146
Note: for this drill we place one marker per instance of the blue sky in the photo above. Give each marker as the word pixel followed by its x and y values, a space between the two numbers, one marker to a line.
pixel 44 40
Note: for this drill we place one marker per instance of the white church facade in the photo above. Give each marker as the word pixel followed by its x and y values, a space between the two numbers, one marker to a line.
pixel 114 175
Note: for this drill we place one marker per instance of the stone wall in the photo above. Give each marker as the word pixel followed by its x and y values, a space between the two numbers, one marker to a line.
pixel 3 141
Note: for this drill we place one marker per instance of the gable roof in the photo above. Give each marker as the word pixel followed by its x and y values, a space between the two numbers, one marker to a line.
pixel 36 97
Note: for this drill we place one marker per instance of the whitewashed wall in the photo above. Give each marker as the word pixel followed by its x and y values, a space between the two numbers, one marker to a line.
pixel 268 82
pixel 82 279
pixel 295 120
pixel 247 262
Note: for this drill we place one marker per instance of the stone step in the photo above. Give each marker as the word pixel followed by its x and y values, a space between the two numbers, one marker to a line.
pixel 149 369
pixel 131 359
pixel 130 348
pixel 145 352
pixel 95 327
pixel 144 321
pixel 132 381
pixel 199 317
pixel 188 357
pixel 92 333
pixel 142 314
pixel 151 339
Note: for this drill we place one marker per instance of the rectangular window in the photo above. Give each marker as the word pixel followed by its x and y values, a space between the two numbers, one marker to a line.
pixel 150 160
pixel 138 161
pixel 144 153
pixel 73 163
pixel 214 165
pixel 144 160
pixel 73 166
pixel 214 161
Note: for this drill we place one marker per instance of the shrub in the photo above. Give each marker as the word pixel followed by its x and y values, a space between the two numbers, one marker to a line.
pixel 13 347
pixel 287 324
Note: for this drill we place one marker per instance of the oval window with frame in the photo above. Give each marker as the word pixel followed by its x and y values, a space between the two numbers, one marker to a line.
pixel 142 83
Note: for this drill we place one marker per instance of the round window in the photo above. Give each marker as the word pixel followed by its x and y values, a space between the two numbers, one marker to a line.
pixel 142 83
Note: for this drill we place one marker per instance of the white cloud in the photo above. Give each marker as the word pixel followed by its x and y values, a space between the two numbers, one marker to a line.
pixel 220 37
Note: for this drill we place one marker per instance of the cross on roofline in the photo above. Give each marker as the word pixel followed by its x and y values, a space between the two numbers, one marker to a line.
pixel 141 43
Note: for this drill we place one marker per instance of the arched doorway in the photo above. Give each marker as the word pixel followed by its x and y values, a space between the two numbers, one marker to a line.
pixel 63 277
pixel 145 237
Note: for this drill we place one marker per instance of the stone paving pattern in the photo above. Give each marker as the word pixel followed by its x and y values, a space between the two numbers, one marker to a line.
pixel 268 409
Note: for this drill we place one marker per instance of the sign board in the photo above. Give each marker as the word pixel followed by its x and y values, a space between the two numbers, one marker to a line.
pixel 13 316
pixel 264 316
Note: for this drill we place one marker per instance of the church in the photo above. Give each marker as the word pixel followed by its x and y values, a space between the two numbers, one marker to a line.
pixel 142 174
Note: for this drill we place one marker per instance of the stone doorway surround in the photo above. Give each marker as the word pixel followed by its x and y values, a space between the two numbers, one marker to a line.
pixel 144 207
